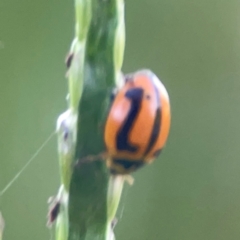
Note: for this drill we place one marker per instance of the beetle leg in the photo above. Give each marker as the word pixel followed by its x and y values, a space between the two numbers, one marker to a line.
pixel 129 179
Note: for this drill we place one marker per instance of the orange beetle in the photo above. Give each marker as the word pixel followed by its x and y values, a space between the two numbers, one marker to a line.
pixel 138 123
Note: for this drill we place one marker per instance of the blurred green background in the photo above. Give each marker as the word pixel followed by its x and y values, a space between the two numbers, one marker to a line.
pixel 193 190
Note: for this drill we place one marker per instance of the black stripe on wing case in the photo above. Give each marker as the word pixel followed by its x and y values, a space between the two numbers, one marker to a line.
pixel 135 95
pixel 156 124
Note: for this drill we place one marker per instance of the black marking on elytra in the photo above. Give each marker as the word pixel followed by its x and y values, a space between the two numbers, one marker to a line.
pixel 135 95
pixel 148 97
pixel 156 124
pixel 157 153
pixel 128 164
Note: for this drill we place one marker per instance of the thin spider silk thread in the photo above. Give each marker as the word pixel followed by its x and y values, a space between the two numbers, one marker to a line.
pixel 11 182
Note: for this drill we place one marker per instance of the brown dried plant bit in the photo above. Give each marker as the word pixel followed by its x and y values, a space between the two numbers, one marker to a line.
pixel 53 210
pixel 114 223
pixel 69 59
pixel 2 225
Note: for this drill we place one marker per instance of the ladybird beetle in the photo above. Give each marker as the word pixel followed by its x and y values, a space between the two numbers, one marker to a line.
pixel 138 123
